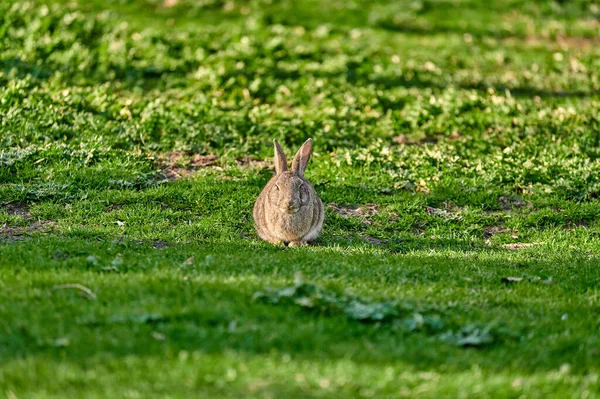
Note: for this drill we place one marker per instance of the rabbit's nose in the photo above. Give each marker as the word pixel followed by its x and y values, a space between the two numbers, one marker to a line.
pixel 291 208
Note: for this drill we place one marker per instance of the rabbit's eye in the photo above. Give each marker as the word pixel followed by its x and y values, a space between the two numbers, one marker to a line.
pixel 303 195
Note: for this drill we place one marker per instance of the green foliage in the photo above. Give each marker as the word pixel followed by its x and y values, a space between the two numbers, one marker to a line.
pixel 311 296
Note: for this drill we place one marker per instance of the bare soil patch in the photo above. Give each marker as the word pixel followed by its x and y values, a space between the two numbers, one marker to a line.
pixel 17 233
pixel 17 209
pixel 112 208
pixel 510 203
pixel 373 240
pixel 159 244
pixel 176 164
pixel 179 165
pixel 490 231
pixel 251 162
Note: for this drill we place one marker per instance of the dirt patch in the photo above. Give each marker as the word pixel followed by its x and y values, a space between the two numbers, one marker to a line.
pixel 373 240
pixel 204 161
pixel 510 203
pixel 574 225
pixel 490 231
pixel 171 158
pixel 17 209
pixel 17 233
pixel 364 212
pixel 159 244
pixel 112 208
pixel 252 162
pixel 176 164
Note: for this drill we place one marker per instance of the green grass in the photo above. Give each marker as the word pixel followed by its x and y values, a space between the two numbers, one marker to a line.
pixel 457 144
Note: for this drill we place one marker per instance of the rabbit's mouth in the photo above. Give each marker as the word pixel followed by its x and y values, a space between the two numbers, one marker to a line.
pixel 290 211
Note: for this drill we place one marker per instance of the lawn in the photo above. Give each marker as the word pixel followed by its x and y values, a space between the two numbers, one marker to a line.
pixel 456 150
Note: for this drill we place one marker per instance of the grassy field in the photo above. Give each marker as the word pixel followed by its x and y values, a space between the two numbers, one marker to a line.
pixel 457 150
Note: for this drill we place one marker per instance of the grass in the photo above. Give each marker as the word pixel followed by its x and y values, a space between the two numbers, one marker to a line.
pixel 457 149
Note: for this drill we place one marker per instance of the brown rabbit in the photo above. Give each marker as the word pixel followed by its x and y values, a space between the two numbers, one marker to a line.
pixel 288 209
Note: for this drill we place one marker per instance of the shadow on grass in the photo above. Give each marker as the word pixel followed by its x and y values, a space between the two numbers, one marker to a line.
pixel 388 82
pixel 206 304
pixel 152 78
pixel 406 244
pixel 23 68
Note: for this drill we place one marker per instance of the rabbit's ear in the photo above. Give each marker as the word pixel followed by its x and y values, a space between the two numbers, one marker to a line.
pixel 280 159
pixel 301 159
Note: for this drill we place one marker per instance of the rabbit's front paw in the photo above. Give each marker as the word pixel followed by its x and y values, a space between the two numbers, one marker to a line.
pixel 297 244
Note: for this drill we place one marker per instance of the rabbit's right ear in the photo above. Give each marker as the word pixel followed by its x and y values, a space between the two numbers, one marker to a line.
pixel 280 159
pixel 301 159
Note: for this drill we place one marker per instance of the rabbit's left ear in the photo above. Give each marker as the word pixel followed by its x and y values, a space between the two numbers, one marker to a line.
pixel 280 160
pixel 301 158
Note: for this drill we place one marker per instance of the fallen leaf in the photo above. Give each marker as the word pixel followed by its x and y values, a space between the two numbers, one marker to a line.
pixel 79 287
pixel 158 336
pixel 188 261
pixel 520 245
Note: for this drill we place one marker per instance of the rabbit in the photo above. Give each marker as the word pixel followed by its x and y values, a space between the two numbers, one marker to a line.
pixel 288 210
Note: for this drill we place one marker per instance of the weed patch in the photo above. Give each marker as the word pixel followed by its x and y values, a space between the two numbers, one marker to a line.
pixel 318 299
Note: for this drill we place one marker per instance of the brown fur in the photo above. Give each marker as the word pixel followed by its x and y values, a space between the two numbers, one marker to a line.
pixel 288 209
